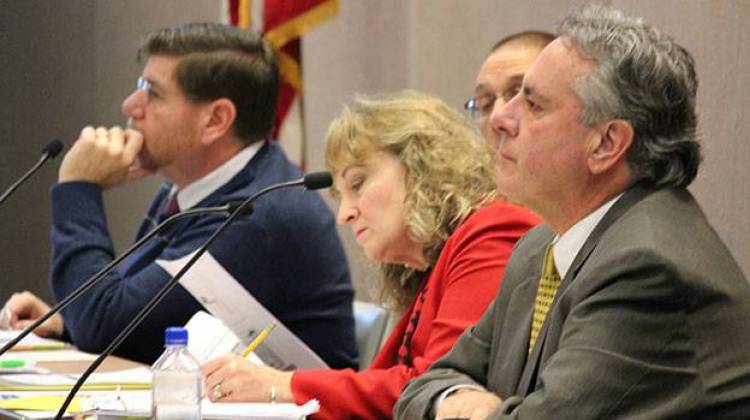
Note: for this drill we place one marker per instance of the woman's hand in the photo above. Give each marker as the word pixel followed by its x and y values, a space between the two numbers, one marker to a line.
pixel 231 378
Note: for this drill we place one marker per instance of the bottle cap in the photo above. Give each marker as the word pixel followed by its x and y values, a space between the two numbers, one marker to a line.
pixel 175 336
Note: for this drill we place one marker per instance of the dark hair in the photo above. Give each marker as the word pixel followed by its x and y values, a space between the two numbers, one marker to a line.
pixel 644 77
pixel 221 61
pixel 529 38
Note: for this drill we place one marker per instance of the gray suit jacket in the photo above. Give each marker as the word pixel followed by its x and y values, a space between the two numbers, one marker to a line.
pixel 651 321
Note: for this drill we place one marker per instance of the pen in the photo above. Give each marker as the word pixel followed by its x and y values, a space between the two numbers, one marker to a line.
pixel 8 364
pixel 259 339
pixel 40 346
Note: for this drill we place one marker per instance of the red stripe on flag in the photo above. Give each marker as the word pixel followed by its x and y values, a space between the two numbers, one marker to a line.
pixel 277 12
pixel 234 12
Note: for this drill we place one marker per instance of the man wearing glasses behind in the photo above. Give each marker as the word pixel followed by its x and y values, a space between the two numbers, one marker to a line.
pixel 501 74
pixel 200 117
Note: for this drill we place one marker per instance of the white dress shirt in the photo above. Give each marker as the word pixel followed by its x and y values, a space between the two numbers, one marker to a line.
pixel 570 243
pixel 198 190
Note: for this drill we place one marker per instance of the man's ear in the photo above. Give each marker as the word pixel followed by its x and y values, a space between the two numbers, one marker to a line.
pixel 218 118
pixel 609 145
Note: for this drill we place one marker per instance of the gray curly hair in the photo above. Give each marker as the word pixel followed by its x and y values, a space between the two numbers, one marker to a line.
pixel 643 77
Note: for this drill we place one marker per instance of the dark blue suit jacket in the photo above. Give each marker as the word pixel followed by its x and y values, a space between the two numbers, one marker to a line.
pixel 287 254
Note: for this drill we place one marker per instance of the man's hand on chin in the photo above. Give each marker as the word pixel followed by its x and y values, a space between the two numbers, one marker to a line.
pixel 104 157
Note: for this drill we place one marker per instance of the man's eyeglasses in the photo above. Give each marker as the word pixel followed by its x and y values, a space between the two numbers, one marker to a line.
pixel 143 84
pixel 480 107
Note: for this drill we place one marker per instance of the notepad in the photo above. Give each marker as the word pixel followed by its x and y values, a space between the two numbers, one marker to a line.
pixel 64 355
pixel 139 404
pixel 258 410
pixel 30 342
pixel 41 403
pixel 128 379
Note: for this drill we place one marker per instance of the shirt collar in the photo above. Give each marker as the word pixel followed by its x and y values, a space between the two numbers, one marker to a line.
pixel 203 187
pixel 568 245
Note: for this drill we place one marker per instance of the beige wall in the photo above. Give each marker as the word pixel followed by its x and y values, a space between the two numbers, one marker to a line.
pixel 66 64
pixel 45 88
pixel 73 61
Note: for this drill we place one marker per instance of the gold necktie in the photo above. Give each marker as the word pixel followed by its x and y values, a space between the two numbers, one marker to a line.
pixel 545 294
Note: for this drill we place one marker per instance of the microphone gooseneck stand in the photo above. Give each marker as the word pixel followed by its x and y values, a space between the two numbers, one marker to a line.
pixel 228 208
pixel 311 181
pixel 50 151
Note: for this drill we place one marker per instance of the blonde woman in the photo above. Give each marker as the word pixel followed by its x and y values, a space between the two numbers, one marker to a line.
pixel 417 187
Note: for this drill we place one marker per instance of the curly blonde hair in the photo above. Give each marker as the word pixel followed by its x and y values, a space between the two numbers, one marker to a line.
pixel 449 170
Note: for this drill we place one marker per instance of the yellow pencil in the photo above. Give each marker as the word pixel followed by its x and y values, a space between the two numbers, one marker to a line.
pixel 259 339
pixel 40 346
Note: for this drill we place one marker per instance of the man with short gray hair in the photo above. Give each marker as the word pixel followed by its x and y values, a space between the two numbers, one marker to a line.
pixel 625 303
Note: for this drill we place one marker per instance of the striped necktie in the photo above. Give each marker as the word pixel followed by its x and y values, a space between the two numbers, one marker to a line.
pixel 545 294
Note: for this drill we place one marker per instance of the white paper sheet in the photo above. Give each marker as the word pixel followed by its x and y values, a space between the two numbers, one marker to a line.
pixel 31 341
pixel 209 338
pixel 139 404
pixel 227 300
pixel 65 355
pixel 138 375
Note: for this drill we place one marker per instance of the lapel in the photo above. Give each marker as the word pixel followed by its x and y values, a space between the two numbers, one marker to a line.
pixel 530 373
pixel 243 184
pixel 238 185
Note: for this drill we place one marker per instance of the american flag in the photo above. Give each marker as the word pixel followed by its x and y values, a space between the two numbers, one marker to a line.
pixel 282 23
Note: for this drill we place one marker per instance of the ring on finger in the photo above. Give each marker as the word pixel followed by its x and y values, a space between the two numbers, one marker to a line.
pixel 216 392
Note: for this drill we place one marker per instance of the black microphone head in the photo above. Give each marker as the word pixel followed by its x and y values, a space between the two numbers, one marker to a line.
pixel 318 180
pixel 53 148
pixel 232 206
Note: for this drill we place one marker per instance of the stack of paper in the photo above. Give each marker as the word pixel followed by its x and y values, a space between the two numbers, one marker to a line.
pixel 130 379
pixel 268 411
pixel 64 355
pixel 41 402
pixel 30 342
pixel 139 404
pixel 124 392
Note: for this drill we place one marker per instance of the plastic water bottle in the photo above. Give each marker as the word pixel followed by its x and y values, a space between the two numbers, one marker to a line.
pixel 176 383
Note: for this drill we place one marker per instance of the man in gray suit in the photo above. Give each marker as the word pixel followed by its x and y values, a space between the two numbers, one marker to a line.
pixel 626 303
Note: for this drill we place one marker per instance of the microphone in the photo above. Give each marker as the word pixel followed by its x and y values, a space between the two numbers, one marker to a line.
pixel 226 209
pixel 317 180
pixel 312 181
pixel 50 151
